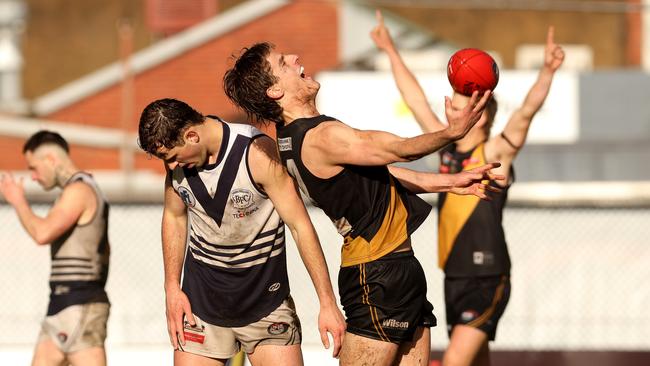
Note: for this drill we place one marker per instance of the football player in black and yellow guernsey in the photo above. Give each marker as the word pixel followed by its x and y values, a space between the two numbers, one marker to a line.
pixel 472 249
pixel 344 172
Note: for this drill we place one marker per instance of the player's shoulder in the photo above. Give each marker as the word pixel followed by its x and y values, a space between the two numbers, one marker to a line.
pixel 78 189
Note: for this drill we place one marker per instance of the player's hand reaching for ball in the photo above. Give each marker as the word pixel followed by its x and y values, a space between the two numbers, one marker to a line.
pixel 553 53
pixel 476 181
pixel 380 34
pixel 178 308
pixel 462 120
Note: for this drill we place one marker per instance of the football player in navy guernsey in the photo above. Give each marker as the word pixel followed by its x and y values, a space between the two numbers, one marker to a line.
pixel 76 228
pixel 374 206
pixel 227 200
pixel 472 248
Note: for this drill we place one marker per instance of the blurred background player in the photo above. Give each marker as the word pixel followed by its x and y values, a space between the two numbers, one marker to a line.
pixel 76 227
pixel 344 172
pixel 471 243
pixel 227 180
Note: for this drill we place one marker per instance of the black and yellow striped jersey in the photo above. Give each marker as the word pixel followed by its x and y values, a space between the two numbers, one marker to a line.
pixel 471 241
pixel 371 210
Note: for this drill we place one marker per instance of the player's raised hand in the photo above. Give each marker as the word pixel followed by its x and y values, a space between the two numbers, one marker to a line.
pixel 461 121
pixel 553 53
pixel 380 34
pixel 11 189
pixel 178 306
pixel 330 320
pixel 476 181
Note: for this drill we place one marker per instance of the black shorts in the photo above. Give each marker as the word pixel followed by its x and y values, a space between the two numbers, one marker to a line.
pixel 478 302
pixel 386 299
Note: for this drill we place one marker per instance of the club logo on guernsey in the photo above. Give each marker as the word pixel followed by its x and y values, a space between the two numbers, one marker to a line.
pixel 186 196
pixel 241 198
pixel 284 144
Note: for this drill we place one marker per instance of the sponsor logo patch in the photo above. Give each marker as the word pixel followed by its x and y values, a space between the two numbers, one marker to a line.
pixel 483 258
pixel 284 144
pixel 274 287
pixel 193 334
pixel 468 315
pixel 392 323
pixel 242 214
pixel 278 328
pixel 61 290
pixel 241 198
pixel 186 196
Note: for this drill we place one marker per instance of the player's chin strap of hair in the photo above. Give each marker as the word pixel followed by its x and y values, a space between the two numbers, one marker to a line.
pixel 510 142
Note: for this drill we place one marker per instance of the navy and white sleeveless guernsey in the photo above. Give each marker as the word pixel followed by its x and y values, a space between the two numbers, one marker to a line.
pixel 235 269
pixel 80 257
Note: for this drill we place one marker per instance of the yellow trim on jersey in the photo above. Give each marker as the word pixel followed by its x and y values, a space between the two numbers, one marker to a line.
pixel 391 234
pixel 455 212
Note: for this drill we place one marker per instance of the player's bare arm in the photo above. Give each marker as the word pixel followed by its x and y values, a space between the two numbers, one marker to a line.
pixel 268 172
pixel 174 233
pixel 516 129
pixel 468 182
pixel 334 143
pixel 76 200
pixel 407 84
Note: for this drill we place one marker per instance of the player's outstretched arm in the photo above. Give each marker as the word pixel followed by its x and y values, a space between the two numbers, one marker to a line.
pixel 334 143
pixel 516 129
pixel 174 234
pixel 407 84
pixel 469 182
pixel 268 172
pixel 74 200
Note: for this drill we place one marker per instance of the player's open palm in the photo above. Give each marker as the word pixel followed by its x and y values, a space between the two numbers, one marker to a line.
pixel 178 306
pixel 11 189
pixel 330 320
pixel 476 181
pixel 462 120
pixel 380 34
pixel 553 53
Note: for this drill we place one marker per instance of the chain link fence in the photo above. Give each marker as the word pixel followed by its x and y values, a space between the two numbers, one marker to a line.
pixel 577 280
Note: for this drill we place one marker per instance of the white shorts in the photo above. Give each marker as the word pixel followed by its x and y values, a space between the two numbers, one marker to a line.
pixel 76 327
pixel 281 327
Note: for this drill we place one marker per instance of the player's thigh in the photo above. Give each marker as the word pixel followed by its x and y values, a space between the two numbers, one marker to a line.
pixel 371 351
pixel 464 345
pixel 417 352
pixel 271 355
pixel 190 359
pixel 93 356
pixel 48 354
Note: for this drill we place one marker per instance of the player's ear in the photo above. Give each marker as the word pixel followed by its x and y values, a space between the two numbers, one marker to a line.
pixel 275 92
pixel 191 135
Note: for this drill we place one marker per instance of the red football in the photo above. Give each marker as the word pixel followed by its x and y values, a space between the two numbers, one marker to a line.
pixel 471 69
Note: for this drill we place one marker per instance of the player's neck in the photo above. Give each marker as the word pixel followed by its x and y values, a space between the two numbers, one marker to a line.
pixel 293 112
pixel 214 135
pixel 63 172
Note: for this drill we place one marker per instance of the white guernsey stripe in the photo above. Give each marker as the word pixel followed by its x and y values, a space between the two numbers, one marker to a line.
pixel 254 263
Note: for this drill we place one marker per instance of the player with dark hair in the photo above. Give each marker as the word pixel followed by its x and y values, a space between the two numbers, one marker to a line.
pixel 76 227
pixel 472 249
pixel 344 172
pixel 226 187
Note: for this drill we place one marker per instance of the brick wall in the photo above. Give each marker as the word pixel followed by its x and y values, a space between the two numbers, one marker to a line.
pixel 306 28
